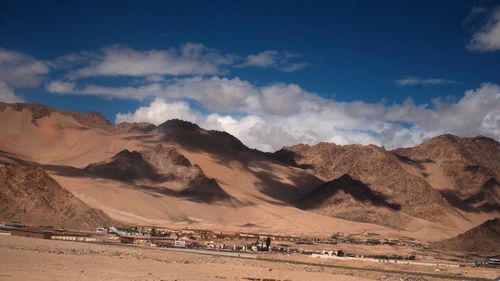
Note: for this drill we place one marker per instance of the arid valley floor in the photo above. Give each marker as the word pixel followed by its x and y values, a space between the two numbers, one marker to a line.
pixel 34 259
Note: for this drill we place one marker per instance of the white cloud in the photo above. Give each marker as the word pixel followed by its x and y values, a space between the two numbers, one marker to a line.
pixel 279 60
pixel 263 59
pixel 57 86
pixel 189 59
pixel 158 112
pixel 294 67
pixel 7 94
pixel 216 93
pixel 117 60
pixel 417 81
pixel 487 38
pixel 285 99
pixel 21 70
pixel 473 114
pixel 285 114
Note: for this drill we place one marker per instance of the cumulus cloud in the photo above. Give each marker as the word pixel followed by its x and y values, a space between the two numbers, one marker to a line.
pixel 417 81
pixel 158 112
pixel 7 94
pixel 118 60
pixel 474 114
pixel 285 114
pixel 487 38
pixel 21 70
pixel 284 61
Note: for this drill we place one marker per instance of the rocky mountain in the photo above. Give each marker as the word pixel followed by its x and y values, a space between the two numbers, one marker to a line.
pixel 483 240
pixel 124 166
pixel 351 199
pixel 469 162
pixel 471 167
pixel 161 164
pixel 30 195
pixel 372 166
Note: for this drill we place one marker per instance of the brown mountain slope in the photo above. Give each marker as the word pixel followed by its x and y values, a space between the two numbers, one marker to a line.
pixel 30 195
pixel 467 169
pixel 350 199
pixel 243 170
pixel 468 162
pixel 124 166
pixel 161 167
pixel 376 168
pixel 38 111
pixel 483 239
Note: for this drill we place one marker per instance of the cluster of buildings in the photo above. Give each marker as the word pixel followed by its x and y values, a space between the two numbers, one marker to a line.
pixel 15 228
pixel 197 239
pixel 222 241
pixel 341 239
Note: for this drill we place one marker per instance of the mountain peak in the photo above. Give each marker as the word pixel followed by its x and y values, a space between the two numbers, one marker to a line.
pixel 178 124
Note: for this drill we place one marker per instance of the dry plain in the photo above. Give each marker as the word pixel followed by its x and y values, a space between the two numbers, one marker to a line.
pixel 35 259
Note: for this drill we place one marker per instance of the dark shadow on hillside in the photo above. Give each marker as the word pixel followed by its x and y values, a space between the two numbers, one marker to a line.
pixel 286 192
pixel 144 138
pixel 227 150
pixel 288 157
pixel 9 156
pixel 68 171
pixel 355 188
pixel 416 163
pixel 192 194
pixel 482 201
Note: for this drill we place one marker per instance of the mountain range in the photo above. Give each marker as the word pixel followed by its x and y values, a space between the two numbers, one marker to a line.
pixel 80 170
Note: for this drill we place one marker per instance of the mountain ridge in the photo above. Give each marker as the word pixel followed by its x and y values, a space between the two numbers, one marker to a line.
pixel 265 189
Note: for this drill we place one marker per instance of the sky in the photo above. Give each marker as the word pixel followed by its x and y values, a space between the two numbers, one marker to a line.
pixel 272 73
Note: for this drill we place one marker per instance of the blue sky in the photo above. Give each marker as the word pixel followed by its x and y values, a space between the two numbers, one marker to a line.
pixel 271 67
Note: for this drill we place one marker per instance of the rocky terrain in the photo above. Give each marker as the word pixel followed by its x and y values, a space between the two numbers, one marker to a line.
pixel 374 167
pixel 350 199
pixel 471 165
pixel 160 165
pixel 30 195
pixel 125 166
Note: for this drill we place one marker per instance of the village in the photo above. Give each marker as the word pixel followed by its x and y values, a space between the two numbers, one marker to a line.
pixel 337 246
